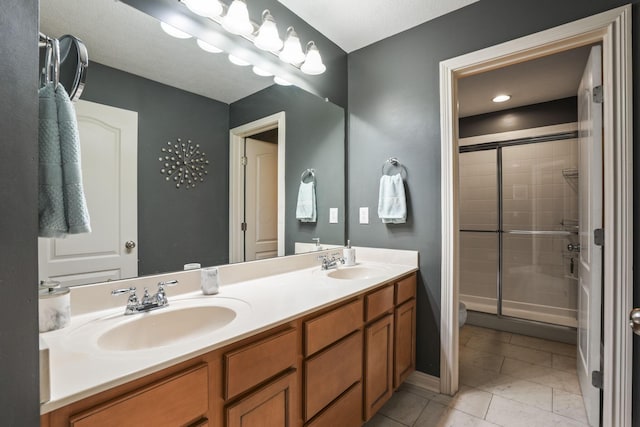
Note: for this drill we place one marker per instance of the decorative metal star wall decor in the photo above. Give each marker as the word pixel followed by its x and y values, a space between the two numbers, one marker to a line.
pixel 184 163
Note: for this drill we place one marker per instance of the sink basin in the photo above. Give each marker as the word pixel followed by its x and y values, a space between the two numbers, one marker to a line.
pixel 161 328
pixel 355 273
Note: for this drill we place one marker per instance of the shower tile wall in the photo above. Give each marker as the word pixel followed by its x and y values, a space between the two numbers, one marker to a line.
pixel 538 283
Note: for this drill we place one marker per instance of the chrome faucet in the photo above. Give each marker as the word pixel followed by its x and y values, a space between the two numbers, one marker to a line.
pixel 148 302
pixel 330 261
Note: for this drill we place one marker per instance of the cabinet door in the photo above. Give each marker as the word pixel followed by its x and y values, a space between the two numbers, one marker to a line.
pixel 378 365
pixel 404 360
pixel 275 404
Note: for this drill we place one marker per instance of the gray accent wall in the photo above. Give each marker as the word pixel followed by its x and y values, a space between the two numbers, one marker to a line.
pixel 19 387
pixel 315 138
pixel 526 117
pixel 394 111
pixel 175 225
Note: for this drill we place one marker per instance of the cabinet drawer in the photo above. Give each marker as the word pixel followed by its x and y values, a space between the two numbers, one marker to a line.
pixel 329 373
pixel 250 365
pixel 378 302
pixel 405 289
pixel 175 401
pixel 330 327
pixel 344 412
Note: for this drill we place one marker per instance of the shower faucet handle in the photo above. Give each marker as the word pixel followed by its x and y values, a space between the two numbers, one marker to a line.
pixel 573 247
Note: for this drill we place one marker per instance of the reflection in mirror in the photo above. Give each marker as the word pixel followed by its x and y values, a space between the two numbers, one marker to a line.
pixel 145 92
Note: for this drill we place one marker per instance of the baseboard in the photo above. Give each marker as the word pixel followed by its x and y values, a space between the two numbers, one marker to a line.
pixel 426 381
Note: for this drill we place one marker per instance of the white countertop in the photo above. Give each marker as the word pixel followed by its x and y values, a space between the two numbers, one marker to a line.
pixel 79 368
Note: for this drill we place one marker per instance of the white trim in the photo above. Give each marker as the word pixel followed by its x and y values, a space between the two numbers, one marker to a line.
pixel 236 201
pixel 425 381
pixel 516 134
pixel 613 30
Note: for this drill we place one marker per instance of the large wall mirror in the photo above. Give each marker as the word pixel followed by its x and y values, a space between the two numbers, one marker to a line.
pixel 148 96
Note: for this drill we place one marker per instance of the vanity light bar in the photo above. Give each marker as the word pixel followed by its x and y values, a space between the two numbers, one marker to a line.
pixel 235 19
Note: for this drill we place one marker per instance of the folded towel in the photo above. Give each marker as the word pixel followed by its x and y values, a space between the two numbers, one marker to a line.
pixel 392 203
pixel 306 207
pixel 62 206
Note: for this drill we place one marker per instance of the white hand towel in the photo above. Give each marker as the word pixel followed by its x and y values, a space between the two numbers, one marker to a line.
pixel 306 207
pixel 392 203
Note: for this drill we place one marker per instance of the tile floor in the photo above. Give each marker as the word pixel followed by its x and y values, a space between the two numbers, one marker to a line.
pixel 506 380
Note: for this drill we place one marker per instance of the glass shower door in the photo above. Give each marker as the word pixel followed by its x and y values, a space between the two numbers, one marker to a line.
pixel 540 212
pixel 479 230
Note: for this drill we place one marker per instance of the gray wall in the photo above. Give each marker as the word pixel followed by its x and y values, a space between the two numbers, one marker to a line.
pixel 526 117
pixel 394 111
pixel 315 133
pixel 19 392
pixel 175 226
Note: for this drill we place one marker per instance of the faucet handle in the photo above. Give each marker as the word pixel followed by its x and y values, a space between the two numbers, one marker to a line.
pixel 131 290
pixel 161 285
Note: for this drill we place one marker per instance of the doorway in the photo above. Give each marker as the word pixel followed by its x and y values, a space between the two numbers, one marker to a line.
pixel 612 29
pixel 256 189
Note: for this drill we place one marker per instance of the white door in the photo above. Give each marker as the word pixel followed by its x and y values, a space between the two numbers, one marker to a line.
pixel 590 219
pixel 108 143
pixel 261 200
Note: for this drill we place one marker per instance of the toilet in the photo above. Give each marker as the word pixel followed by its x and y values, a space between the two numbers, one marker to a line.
pixel 462 314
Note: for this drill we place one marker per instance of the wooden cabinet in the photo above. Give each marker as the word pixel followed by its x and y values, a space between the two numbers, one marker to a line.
pixel 179 400
pixel 404 349
pixel 270 405
pixel 378 365
pixel 344 412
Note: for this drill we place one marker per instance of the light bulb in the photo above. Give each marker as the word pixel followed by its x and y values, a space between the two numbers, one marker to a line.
pixel 238 61
pixel 260 72
pixel 236 21
pixel 207 47
pixel 268 37
pixel 292 51
pixel 281 81
pixel 206 8
pixel 173 31
pixel 313 63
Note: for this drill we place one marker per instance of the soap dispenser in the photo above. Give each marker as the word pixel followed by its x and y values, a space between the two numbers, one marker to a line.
pixel 349 254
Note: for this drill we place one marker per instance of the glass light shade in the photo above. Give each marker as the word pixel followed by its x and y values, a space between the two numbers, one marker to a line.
pixel 173 31
pixel 260 72
pixel 313 62
pixel 501 98
pixel 268 37
pixel 236 21
pixel 206 8
pixel 281 81
pixel 238 61
pixel 207 47
pixel 292 51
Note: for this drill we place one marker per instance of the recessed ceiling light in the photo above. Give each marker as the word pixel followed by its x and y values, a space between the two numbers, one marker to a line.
pixel 501 98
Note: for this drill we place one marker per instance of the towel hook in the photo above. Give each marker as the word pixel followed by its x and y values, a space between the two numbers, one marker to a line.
pixel 308 172
pixel 393 162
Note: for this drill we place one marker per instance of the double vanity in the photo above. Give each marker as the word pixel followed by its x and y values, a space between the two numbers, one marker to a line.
pixel 284 343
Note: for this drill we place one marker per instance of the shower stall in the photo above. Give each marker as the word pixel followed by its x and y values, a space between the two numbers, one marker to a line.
pixel 519 228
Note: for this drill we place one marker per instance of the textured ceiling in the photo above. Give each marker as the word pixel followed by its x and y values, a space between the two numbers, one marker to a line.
pixel 354 24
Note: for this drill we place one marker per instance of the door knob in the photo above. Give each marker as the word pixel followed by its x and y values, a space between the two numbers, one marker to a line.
pixel 130 244
pixel 573 248
pixel 634 320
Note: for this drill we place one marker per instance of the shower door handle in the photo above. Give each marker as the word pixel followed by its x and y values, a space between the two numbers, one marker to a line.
pixel 634 320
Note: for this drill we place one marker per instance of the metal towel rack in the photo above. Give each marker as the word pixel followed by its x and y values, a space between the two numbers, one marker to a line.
pixel 51 70
pixel 66 57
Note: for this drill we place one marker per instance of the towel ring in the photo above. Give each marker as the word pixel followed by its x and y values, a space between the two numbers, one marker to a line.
pixel 391 163
pixel 308 172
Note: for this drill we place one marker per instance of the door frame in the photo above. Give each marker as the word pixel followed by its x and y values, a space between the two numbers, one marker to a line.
pixel 613 30
pixel 236 183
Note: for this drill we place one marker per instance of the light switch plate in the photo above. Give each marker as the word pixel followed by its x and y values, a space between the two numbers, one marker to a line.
pixel 364 215
pixel 333 215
